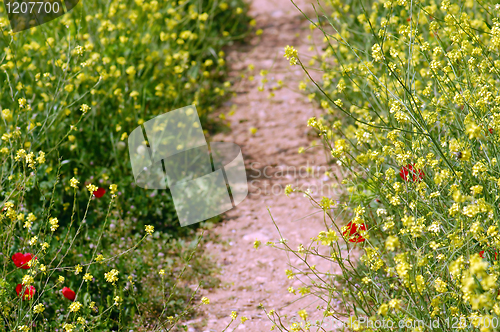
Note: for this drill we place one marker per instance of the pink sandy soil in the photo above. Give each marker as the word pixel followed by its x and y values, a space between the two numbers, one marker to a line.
pixel 251 276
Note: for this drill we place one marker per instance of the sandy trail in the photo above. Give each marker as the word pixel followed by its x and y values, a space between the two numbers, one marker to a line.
pixel 250 276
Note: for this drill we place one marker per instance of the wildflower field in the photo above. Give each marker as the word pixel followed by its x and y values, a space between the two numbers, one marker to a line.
pixel 82 248
pixel 411 111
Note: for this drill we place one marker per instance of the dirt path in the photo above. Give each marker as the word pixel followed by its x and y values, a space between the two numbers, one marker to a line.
pixel 250 276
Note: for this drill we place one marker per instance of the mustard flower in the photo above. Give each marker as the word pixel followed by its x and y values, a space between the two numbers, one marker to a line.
pixel 75 306
pixel 54 224
pixel 28 280
pixel 45 245
pixel 150 229
pixel 112 276
pixel 291 54
pixel 99 258
pixel 91 188
pixel 39 308
pixel 68 327
pixel 74 183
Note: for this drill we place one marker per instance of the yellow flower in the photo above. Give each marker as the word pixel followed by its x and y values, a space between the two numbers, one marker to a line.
pixel 291 54
pixel 234 314
pixel 150 229
pixel 87 277
pixel 440 285
pixel 391 243
pixel 84 108
pixel 39 308
pixel 78 269
pixel 68 327
pixel 22 102
pixel 54 224
pixel 74 183
pixel 33 240
pixel 91 188
pixel 75 306
pixel 27 224
pixel 99 258
pixel 205 300
pixel 28 280
pixel 131 71
pixel 111 276
pixel 41 157
pixel 203 17
pixel 113 188
pixel 31 217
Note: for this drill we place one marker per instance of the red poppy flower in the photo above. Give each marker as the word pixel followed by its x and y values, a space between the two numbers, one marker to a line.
pixel 21 260
pixel 490 130
pixel 68 293
pixel 29 291
pixel 406 171
pixel 481 254
pixel 99 192
pixel 352 232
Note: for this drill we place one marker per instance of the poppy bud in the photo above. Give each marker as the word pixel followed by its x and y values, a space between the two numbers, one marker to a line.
pixel 99 192
pixel 68 293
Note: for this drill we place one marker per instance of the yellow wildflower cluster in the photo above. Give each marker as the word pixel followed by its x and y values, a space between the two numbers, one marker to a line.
pixel 411 107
